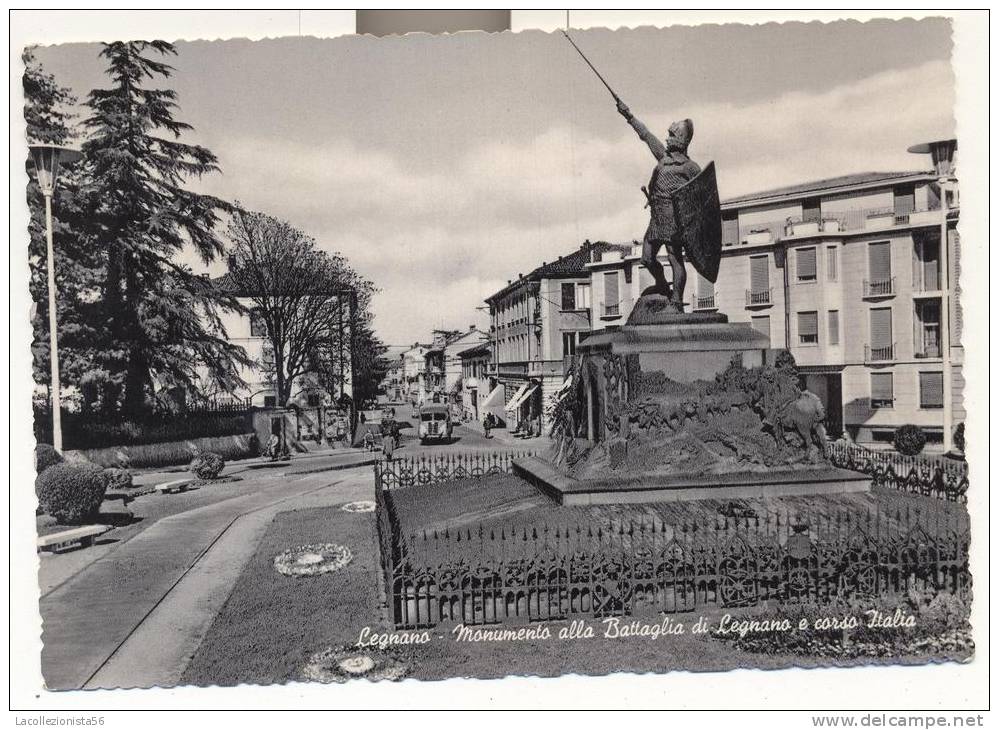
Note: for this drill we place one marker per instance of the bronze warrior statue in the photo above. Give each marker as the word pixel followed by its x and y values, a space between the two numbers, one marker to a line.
pixel 673 170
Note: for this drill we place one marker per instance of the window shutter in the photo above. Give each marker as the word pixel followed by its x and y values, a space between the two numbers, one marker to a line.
pixel 759 273
pixel 879 255
pixel 833 327
pixel 905 200
pixel 806 263
pixel 881 328
pixel 808 324
pixel 730 231
pixel 762 324
pixel 931 390
pixel 611 298
pixel 881 387
pixel 705 288
pixel 831 261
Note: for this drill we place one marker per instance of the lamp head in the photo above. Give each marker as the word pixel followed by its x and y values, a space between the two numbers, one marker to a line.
pixel 47 159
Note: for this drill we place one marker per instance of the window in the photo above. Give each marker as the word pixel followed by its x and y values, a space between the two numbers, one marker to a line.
pixel 879 261
pixel 762 324
pixel 832 261
pixel 811 210
pixel 314 400
pixel 905 199
pixel 931 390
pixel 883 437
pixel 808 328
pixel 805 258
pixel 926 267
pixel 705 298
pixel 568 344
pixel 759 280
pixel 881 334
pixel 927 336
pixel 258 326
pixel 568 297
pixel 833 327
pixel 270 401
pixel 612 303
pixel 583 296
pixel 730 228
pixel 882 390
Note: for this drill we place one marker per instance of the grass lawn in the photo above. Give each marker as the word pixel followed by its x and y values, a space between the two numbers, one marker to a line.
pixel 504 501
pixel 271 625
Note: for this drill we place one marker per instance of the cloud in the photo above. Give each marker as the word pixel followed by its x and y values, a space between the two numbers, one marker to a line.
pixel 438 236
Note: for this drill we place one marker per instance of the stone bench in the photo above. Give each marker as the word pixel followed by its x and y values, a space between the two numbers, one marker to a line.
pixel 82 536
pixel 177 485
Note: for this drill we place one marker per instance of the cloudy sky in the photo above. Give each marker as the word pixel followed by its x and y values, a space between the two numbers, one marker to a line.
pixel 443 166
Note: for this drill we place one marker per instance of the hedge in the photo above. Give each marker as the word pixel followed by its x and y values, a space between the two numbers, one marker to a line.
pixel 173 453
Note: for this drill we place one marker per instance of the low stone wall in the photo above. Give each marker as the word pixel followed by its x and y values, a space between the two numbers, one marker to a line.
pixel 169 453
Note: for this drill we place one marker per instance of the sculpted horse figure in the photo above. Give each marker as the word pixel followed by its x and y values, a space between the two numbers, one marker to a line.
pixel 806 415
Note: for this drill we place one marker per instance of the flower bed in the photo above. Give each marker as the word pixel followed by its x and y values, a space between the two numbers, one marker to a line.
pixel 309 560
pixel 340 664
pixel 365 505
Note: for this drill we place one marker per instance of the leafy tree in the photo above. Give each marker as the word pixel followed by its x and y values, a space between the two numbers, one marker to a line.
pixel 308 300
pixel 162 320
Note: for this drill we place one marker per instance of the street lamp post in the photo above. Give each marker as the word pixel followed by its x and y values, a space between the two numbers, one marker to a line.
pixel 47 159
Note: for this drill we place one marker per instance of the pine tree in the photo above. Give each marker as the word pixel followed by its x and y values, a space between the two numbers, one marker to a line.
pixel 162 320
pixel 49 120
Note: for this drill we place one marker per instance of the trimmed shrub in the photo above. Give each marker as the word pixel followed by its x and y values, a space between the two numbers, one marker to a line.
pixel 118 479
pixel 959 437
pixel 207 465
pixel 46 456
pixel 71 493
pixel 909 440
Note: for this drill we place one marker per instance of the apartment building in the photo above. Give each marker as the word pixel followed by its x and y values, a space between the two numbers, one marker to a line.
pixel 538 321
pixel 858 276
pixel 441 379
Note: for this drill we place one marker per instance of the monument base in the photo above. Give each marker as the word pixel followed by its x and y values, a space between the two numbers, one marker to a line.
pixel 639 488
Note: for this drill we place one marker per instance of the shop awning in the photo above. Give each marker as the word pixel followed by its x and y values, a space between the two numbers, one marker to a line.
pixel 493 402
pixel 517 397
pixel 522 395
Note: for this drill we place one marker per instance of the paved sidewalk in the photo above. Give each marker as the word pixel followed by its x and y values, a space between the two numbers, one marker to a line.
pixel 159 649
pixel 87 618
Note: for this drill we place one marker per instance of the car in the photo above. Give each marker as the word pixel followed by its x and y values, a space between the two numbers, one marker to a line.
pixel 435 423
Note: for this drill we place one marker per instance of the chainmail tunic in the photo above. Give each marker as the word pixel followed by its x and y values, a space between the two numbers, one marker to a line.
pixel 673 169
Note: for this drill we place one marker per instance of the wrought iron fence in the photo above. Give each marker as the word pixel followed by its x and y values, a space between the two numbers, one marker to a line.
pixel 488 576
pixel 424 469
pixel 946 480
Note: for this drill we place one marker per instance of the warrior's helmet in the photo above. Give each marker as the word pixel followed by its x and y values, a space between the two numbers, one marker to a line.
pixel 680 134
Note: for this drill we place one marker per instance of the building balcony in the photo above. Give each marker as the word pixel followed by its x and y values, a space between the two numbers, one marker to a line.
pixel 705 304
pixel 761 298
pixel 876 288
pixel 882 353
pixel 928 352
pixel 610 311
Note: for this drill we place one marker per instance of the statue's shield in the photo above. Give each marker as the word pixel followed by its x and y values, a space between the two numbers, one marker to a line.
pixel 698 216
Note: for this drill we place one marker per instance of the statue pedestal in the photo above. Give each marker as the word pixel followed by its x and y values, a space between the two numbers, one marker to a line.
pixel 687 406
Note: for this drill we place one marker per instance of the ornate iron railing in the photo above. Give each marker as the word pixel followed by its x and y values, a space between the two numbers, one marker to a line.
pixel 431 469
pixel 762 296
pixel 943 479
pixel 879 287
pixel 489 576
